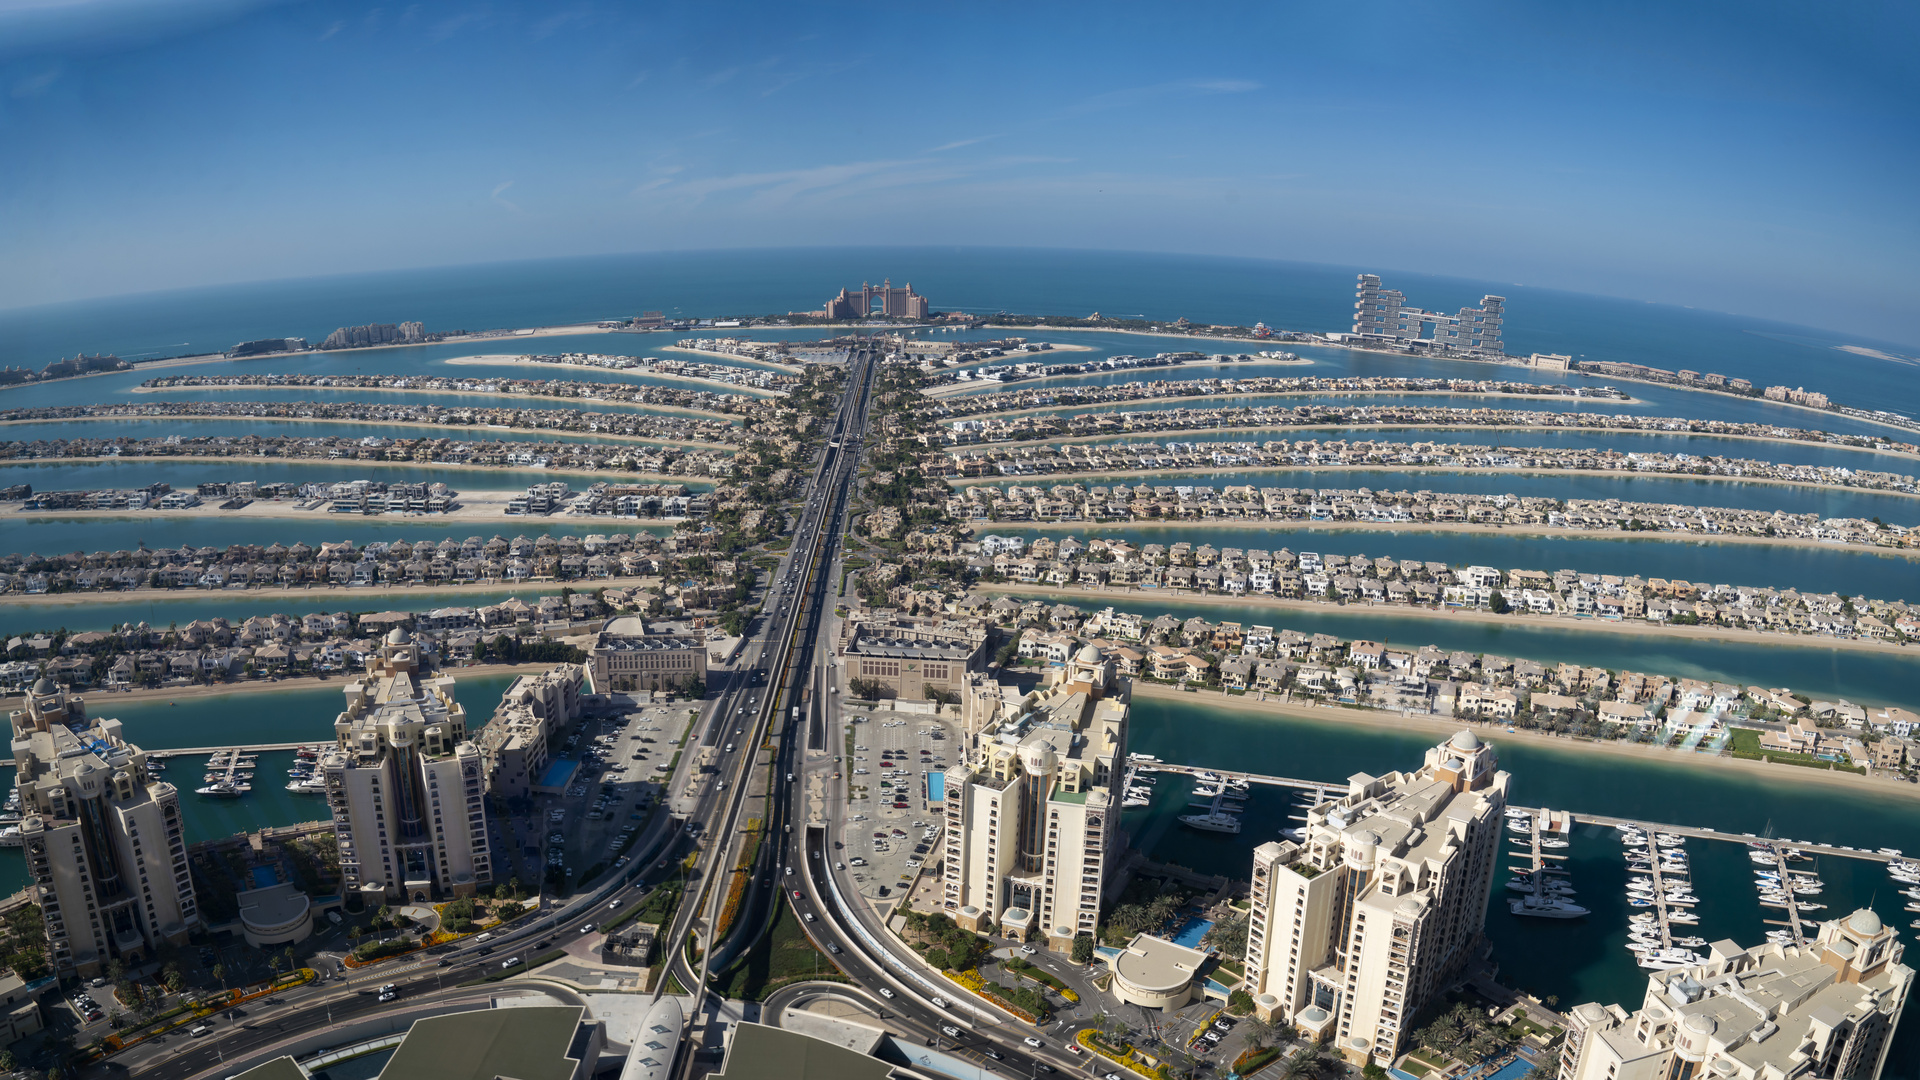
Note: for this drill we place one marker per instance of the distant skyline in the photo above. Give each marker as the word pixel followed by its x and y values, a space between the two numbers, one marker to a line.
pixel 1756 160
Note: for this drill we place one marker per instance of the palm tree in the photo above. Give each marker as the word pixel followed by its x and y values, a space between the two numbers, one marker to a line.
pixel 1260 1033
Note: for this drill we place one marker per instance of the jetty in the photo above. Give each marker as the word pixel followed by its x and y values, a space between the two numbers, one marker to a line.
pixel 189 751
pixel 1325 791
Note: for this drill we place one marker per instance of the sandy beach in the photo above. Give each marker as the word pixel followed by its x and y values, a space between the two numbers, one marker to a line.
pixel 735 358
pixel 688 380
pixel 1634 628
pixel 462 431
pixel 1362 432
pixel 1109 477
pixel 946 390
pixel 623 406
pixel 1109 528
pixel 349 598
pixel 101 702
pixel 475 506
pixel 351 464
pixel 1201 401
pixel 1496 733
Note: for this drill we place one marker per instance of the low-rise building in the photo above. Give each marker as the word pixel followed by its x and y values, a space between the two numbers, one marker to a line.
pixel 625 656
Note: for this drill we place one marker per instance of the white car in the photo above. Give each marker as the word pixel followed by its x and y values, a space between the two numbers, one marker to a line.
pixel 1031 1041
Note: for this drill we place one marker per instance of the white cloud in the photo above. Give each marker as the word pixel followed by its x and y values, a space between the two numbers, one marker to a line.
pixel 498 190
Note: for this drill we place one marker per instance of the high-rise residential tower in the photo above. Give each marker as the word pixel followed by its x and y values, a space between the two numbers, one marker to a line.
pixel 1383 313
pixel 1356 927
pixel 1823 1011
pixel 1033 814
pixel 102 837
pixel 407 787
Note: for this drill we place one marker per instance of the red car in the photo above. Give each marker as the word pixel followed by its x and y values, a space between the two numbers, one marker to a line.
pixel 796 894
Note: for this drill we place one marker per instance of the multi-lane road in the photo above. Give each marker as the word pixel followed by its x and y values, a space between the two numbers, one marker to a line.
pixel 770 712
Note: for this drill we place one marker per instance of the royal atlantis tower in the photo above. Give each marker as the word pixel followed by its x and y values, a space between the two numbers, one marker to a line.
pixel 101 836
pixel 1380 905
pixel 1033 818
pixel 407 788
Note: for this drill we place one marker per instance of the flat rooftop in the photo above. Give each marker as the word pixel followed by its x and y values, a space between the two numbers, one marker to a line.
pixel 525 1044
pixel 758 1052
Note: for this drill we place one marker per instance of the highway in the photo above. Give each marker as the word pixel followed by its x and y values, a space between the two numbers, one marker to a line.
pixel 773 710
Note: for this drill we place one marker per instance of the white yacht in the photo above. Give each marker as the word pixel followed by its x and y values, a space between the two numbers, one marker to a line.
pixel 1545 907
pixel 1226 823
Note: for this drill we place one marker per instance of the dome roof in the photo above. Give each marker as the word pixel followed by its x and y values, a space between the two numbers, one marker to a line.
pixel 45 686
pixel 1701 1024
pixel 1864 921
pixel 1089 654
pixel 399 636
pixel 1464 740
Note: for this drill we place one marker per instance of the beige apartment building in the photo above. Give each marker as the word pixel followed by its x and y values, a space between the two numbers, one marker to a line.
pixel 624 656
pixel 1823 1011
pixel 1033 814
pixel 905 657
pixel 1356 927
pixel 102 837
pixel 516 744
pixel 406 786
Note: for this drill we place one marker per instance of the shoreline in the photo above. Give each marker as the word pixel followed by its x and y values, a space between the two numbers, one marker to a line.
pixel 1279 430
pixel 1909 554
pixel 957 389
pixel 1495 731
pixel 336 681
pixel 285 592
pixel 1732 635
pixel 505 360
pixel 1125 404
pixel 352 463
pixel 1201 472
pixel 732 419
pixel 481 510
pixel 443 430
pixel 736 358
pixel 1512 362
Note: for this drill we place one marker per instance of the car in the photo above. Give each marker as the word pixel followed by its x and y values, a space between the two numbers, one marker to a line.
pixel 1212 1036
pixel 808 916
pixel 510 961
pixel 832 948
pixel 939 1002
pixel 1041 1066
pixel 613 905
pixel 950 1031
pixel 796 894
pixel 388 995
pixel 885 993
pixel 484 950
pixel 587 929
pixel 1028 949
pixel 390 988
pixel 789 871
pixel 199 1030
pixel 839 866
pixel 1223 1025
pixel 1073 1049
pixel 445 961
pixel 1033 1042
pixel 94 1016
pixel 992 1053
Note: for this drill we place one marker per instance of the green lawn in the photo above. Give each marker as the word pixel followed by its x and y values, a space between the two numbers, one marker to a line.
pixel 782 955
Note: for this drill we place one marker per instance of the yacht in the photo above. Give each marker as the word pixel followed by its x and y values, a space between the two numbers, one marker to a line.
pixel 309 786
pixel 10 837
pixel 1226 823
pixel 1682 917
pixel 1132 801
pixel 1553 843
pixel 1545 907
pixel 222 789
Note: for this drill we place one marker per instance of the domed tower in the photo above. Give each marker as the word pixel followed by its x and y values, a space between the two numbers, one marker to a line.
pixel 1091 668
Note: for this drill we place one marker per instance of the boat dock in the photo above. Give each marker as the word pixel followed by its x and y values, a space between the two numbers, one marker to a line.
pixel 162 754
pixel 1324 791
pixel 1790 882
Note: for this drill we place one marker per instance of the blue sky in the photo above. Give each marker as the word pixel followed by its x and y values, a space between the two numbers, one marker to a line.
pixel 1751 158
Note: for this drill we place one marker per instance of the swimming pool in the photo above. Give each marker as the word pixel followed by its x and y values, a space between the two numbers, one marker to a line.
pixel 936 786
pixel 1512 1070
pixel 263 877
pixel 558 773
pixel 1191 933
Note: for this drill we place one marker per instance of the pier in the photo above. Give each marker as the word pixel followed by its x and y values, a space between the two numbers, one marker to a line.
pixel 1790 881
pixel 1324 791
pixel 162 754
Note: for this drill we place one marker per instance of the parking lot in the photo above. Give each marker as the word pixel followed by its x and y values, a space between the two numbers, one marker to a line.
pixel 893 833
pixel 623 763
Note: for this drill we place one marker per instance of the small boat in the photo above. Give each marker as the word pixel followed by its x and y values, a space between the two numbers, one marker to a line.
pixel 1691 939
pixel 1637 902
pixel 1682 917
pixel 1808 906
pixel 1553 843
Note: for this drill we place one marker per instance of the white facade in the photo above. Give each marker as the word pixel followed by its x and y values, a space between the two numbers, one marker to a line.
pixel 1033 818
pixel 1355 928
pixel 406 786
pixel 1821 1012
pixel 1383 313
pixel 515 744
pixel 102 837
